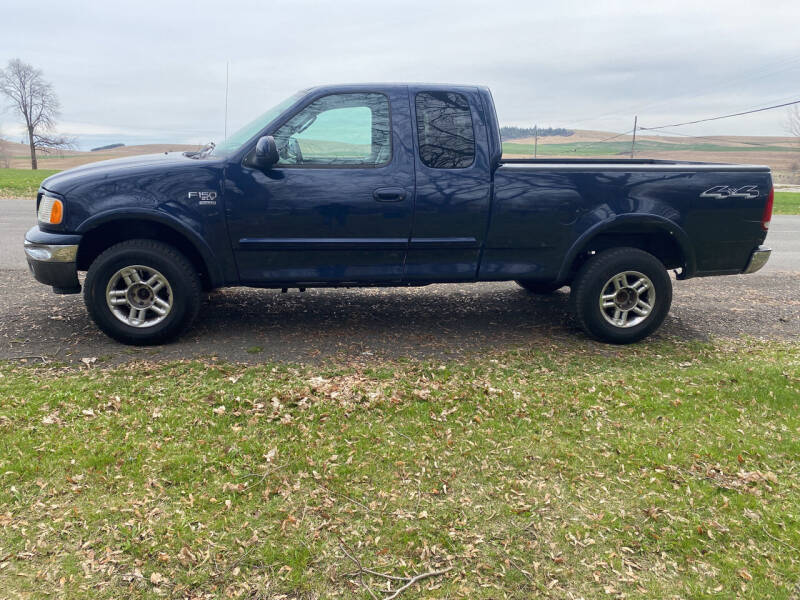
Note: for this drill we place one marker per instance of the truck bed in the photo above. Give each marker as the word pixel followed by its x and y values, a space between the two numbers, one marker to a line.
pixel 543 208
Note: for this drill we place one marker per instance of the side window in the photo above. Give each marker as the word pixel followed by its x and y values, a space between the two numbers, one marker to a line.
pixel 444 130
pixel 340 129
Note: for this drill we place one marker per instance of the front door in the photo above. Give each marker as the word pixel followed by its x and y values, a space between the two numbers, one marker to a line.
pixel 337 208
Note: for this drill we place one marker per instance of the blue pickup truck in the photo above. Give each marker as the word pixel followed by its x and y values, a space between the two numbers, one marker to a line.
pixel 390 185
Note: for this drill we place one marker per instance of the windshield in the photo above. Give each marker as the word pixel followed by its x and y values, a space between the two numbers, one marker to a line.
pixel 236 139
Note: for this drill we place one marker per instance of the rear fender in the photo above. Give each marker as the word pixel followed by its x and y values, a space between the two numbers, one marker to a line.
pixel 632 224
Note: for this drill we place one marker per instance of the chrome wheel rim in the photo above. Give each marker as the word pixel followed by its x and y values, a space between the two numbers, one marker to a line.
pixel 627 299
pixel 139 296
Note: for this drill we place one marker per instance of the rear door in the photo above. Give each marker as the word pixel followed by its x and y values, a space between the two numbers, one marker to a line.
pixel 453 187
pixel 337 207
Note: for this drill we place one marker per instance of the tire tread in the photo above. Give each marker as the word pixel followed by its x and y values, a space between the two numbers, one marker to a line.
pixel 592 269
pixel 165 251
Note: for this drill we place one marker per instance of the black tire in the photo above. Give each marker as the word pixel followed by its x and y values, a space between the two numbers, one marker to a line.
pixel 539 287
pixel 597 276
pixel 182 291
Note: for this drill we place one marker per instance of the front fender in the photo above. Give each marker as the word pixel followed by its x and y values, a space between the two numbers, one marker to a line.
pixel 633 223
pixel 179 221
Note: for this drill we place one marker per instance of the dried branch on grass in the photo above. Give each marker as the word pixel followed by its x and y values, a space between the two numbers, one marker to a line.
pixel 407 581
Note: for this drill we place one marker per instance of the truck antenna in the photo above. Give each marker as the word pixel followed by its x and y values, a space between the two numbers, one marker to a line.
pixel 227 79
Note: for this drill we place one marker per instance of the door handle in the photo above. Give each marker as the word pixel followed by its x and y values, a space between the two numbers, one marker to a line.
pixel 389 194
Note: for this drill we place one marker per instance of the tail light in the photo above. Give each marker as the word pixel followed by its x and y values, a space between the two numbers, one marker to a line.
pixel 767 216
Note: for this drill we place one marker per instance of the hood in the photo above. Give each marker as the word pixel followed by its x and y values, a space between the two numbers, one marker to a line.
pixel 97 172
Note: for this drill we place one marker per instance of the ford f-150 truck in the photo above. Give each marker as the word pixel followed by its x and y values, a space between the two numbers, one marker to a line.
pixel 390 185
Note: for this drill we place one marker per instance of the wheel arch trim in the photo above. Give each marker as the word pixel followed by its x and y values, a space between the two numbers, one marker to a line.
pixel 657 222
pixel 194 239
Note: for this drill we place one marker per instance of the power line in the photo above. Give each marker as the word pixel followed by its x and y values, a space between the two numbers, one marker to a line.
pixel 719 138
pixel 608 139
pixel 720 83
pixel 739 114
pixel 580 145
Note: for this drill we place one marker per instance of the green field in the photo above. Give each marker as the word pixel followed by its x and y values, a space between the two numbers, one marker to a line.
pixel 787 203
pixel 21 183
pixel 659 470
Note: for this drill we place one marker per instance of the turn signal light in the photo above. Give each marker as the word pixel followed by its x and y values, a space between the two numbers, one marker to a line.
pixel 51 210
pixel 56 212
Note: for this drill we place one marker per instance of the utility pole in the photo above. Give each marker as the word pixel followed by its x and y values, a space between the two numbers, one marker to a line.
pixel 535 140
pixel 633 141
pixel 227 79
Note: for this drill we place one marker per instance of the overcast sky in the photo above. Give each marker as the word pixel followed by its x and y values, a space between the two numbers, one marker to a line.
pixel 143 71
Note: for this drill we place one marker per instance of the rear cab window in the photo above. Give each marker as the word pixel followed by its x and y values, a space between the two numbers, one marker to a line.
pixel 445 131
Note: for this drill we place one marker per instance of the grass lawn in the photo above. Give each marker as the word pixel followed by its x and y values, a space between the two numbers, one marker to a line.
pixel 659 470
pixel 787 203
pixel 22 183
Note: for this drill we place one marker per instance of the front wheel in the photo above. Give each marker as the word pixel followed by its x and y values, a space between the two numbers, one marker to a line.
pixel 621 295
pixel 142 292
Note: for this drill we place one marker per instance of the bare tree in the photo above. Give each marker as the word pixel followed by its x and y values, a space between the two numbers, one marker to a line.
pixel 36 102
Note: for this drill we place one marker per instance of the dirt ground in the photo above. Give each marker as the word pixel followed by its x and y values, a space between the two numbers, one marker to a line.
pixel 438 321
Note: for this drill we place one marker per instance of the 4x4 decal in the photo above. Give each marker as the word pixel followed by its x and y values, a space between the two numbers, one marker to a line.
pixel 724 191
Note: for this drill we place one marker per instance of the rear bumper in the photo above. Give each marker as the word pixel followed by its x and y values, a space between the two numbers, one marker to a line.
pixel 52 259
pixel 758 259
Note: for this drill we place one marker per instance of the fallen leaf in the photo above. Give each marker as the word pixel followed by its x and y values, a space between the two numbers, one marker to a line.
pixel 186 557
pixel 156 578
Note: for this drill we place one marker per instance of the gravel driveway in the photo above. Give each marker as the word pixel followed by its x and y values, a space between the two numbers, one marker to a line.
pixel 241 324
pixel 249 325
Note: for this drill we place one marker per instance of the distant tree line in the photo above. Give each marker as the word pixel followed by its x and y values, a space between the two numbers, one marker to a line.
pixel 109 147
pixel 512 133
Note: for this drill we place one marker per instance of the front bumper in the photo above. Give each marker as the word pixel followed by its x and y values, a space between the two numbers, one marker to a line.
pixel 52 259
pixel 758 259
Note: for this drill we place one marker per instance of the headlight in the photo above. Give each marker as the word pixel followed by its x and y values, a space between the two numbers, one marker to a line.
pixel 51 210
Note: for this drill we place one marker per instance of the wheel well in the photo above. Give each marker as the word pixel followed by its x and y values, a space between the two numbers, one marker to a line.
pixel 96 241
pixel 657 242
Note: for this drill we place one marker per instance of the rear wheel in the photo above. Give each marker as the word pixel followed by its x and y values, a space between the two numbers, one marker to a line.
pixel 539 287
pixel 621 295
pixel 142 292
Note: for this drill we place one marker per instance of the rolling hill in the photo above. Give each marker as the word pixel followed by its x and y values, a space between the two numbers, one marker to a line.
pixel 782 154
pixel 19 155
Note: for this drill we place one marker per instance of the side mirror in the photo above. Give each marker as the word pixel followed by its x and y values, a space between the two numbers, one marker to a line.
pixel 266 155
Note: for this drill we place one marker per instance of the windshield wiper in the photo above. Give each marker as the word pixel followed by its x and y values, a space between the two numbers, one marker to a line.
pixel 203 152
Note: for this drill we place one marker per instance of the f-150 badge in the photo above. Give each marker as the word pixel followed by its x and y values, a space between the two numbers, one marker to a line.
pixel 204 198
pixel 724 191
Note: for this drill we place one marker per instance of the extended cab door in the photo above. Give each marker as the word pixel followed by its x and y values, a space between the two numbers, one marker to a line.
pixel 453 191
pixel 338 205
